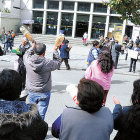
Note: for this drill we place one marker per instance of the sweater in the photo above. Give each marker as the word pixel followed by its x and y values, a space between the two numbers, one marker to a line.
pixel 77 124
pixel 38 71
pixel 94 73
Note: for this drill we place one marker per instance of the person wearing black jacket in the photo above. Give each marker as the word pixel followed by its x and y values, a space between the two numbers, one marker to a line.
pixel 116 49
pixel 127 119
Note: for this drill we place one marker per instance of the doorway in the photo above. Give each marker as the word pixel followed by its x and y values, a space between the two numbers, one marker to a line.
pixel 82 25
pixel 128 31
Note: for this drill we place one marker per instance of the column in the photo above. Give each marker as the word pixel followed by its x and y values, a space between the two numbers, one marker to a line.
pixel 107 21
pixel 59 17
pixel 74 19
pixel 44 18
pixel 90 22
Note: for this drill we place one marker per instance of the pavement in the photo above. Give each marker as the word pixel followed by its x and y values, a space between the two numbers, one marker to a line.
pixel 121 80
pixel 78 57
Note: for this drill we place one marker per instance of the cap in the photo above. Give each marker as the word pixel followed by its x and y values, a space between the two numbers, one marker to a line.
pixel 66 41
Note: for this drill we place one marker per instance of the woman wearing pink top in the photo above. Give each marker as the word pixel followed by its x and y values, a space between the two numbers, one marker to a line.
pixel 101 71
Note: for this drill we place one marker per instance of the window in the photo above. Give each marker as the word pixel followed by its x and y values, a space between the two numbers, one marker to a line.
pixel 38 21
pixel 115 20
pixel 98 26
pixel 83 6
pixel 66 23
pixel 52 23
pixel 98 7
pixel 68 5
pixel 53 4
pixel 38 4
pixel 82 24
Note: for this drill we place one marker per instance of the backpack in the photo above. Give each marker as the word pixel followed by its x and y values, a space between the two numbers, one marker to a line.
pixel 13 35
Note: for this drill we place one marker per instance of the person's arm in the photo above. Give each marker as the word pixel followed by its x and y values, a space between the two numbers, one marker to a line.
pixel 56 127
pixel 117 109
pixel 55 63
pixel 95 53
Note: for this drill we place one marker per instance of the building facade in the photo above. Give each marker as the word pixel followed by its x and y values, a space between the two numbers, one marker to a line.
pixel 73 17
pixel 9 16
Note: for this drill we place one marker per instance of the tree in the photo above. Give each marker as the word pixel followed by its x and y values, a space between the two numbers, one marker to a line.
pixel 129 9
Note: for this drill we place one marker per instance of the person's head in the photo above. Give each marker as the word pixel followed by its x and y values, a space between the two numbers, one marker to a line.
pixel 24 41
pixel 137 37
pixel 101 37
pixel 10 84
pixel 11 31
pixel 105 61
pixel 135 98
pixel 131 41
pixel 90 95
pixel 125 37
pixel 106 39
pixel 66 42
pixel 136 44
pixel 8 32
pixel 116 41
pixel 40 49
pixel 96 44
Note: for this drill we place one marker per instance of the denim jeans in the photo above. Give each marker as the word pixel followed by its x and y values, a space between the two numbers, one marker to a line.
pixel 42 101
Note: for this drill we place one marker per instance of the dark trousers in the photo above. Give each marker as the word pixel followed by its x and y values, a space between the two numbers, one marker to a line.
pixel 66 62
pixel 132 63
pixel 115 59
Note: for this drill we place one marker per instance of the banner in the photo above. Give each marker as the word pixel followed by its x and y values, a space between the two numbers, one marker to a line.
pixel 132 54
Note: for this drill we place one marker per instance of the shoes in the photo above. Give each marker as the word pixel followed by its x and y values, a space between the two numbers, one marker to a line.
pixel 68 68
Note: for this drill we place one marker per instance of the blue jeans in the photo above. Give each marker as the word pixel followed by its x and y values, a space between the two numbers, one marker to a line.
pixel 42 101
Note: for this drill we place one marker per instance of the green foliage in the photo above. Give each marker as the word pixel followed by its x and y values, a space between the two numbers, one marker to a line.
pixel 129 9
pixel 5 10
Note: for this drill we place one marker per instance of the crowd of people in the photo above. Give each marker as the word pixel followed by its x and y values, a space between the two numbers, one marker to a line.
pixel 7 39
pixel 115 49
pixel 24 118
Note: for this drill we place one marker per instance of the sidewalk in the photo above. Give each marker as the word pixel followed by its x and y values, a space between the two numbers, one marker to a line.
pixel 78 57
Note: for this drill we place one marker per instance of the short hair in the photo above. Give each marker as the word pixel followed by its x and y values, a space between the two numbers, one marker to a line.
pixel 40 48
pixel 10 84
pixel 135 98
pixel 95 43
pixel 105 61
pixel 90 95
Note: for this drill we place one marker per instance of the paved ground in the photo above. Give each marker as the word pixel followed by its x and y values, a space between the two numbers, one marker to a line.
pixel 121 85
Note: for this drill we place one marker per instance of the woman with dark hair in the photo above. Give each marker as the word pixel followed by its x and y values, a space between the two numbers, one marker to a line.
pixel 93 53
pixel 87 120
pixel 127 119
pixel 101 71
pixel 18 120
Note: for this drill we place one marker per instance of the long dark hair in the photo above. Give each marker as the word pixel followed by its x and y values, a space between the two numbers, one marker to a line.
pixel 135 98
pixel 105 61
